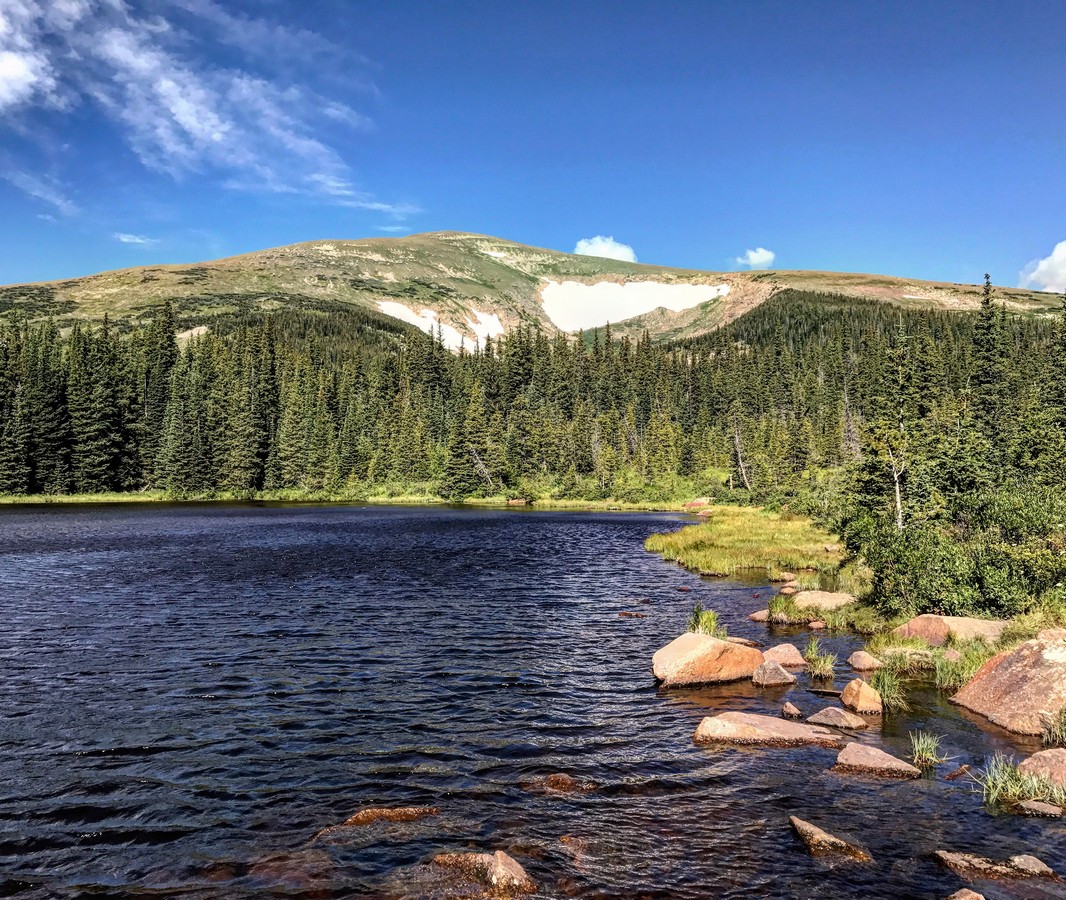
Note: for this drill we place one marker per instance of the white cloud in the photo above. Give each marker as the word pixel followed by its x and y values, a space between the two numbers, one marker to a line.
pixel 124 238
pixel 241 123
pixel 41 188
pixel 1047 274
pixel 605 246
pixel 759 258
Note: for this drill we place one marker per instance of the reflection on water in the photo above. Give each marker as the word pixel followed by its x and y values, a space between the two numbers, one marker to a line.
pixel 189 694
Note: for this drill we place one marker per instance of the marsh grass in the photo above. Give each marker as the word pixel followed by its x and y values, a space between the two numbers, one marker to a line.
pixel 902 655
pixel 736 538
pixel 950 675
pixel 889 684
pixel 1054 729
pixel 820 666
pixel 925 750
pixel 1003 785
pixel 705 621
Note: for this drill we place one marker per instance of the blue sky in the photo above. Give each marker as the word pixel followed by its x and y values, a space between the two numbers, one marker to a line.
pixel 923 139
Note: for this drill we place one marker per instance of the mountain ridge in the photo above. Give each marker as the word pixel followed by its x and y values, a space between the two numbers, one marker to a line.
pixel 471 286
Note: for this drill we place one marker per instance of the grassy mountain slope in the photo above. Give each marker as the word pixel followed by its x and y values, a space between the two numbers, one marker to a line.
pixel 463 279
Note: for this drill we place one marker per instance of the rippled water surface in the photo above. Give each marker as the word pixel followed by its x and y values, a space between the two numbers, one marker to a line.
pixel 188 694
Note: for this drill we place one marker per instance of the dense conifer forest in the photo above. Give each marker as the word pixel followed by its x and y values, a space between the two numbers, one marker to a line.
pixel 935 442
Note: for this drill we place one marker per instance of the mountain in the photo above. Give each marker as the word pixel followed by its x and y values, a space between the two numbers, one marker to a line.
pixel 471 286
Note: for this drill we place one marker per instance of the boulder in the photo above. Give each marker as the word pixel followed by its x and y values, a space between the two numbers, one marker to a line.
pixel 791 711
pixel 835 717
pixel 816 625
pixel 862 698
pixel 783 576
pixel 751 729
pixel 970 866
pixel 832 548
pixel 821 600
pixel 1017 689
pixel 862 759
pixel 761 616
pixel 374 814
pixel 1052 634
pixel 935 630
pixel 702 659
pixel 497 871
pixel 698 502
pixel 744 642
pixel 787 591
pixel 786 655
pixel 861 661
pixel 966 894
pixel 770 674
pixel 1038 809
pixel 820 843
pixel 1048 764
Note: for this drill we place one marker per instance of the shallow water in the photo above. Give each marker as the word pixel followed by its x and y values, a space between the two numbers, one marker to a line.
pixel 188 691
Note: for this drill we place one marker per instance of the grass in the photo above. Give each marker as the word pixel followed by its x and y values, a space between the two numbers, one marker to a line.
pixel 925 750
pixel 737 538
pixel 1003 785
pixel 820 666
pixel 889 685
pixel 1054 729
pixel 705 621
pixel 950 675
pixel 902 655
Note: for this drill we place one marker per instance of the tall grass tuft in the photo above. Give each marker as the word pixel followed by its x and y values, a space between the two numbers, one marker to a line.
pixel 820 666
pixel 1054 729
pixel 705 621
pixel 925 750
pixel 889 685
pixel 1003 785
pixel 953 674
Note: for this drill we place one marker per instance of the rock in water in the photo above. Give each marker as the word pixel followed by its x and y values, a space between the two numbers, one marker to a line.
pixel 970 866
pixel 761 616
pixel 1017 689
pixel 498 871
pixel 835 717
pixel 861 698
pixel 820 843
pixel 374 814
pixel 861 759
pixel 816 625
pixel 966 894
pixel 1049 764
pixel 821 600
pixel 786 655
pixel 750 729
pixel 862 661
pixel 770 674
pixel 935 630
pixel 789 711
pixel 702 659
pixel 1039 809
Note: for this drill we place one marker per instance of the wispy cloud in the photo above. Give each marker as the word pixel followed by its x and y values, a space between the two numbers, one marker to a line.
pixel 605 246
pixel 759 258
pixel 124 238
pixel 42 188
pixel 393 229
pixel 149 69
pixel 1047 274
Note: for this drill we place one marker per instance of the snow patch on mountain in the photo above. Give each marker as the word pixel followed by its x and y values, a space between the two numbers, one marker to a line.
pixel 484 325
pixel 572 305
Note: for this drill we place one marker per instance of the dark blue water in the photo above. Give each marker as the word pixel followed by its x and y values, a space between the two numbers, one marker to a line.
pixel 188 694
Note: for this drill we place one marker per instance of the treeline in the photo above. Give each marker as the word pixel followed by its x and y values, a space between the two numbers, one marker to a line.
pixel 915 432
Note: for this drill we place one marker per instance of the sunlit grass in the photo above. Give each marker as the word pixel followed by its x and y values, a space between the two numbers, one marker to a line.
pixel 820 666
pixel 925 750
pixel 1054 729
pixel 705 621
pixel 952 674
pixel 1002 784
pixel 889 685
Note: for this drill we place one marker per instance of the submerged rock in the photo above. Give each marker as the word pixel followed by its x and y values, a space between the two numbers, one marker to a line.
pixel 1018 689
pixel 1049 764
pixel 862 698
pixel 861 759
pixel 770 674
pixel 374 814
pixel 559 783
pixel 632 615
pixel 294 870
pixel 862 661
pixel 969 865
pixel 786 655
pixel 761 616
pixel 751 729
pixel 821 600
pixel 497 871
pixel 835 717
pixel 1037 808
pixel 820 843
pixel 958 773
pixel 701 659
pixel 790 711
pixel 935 630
